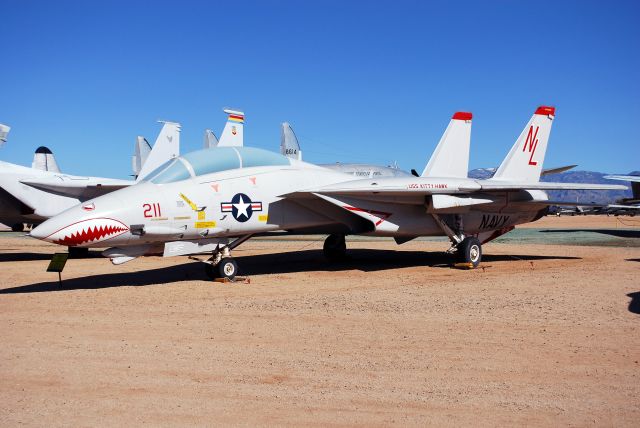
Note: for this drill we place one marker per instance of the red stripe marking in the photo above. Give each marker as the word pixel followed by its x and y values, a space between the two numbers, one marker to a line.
pixel 235 116
pixel 381 214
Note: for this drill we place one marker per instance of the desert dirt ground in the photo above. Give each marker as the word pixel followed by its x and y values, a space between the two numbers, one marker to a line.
pixel 540 335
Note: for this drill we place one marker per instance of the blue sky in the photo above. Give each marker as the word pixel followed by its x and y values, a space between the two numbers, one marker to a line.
pixel 359 81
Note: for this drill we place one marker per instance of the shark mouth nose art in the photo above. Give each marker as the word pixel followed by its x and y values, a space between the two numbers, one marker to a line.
pixel 88 231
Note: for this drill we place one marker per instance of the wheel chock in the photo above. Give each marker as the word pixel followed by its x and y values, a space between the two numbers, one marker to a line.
pixel 237 279
pixel 463 265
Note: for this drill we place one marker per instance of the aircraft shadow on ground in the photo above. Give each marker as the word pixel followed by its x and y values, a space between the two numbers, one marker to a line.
pixel 27 257
pixel 611 232
pixel 634 304
pixel 301 261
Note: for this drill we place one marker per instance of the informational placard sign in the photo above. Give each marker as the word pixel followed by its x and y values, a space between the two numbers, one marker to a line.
pixel 57 264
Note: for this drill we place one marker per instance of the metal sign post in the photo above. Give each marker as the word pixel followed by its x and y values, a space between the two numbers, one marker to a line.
pixel 57 264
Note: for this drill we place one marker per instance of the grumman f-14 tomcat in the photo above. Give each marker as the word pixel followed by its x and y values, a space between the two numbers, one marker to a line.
pixel 211 201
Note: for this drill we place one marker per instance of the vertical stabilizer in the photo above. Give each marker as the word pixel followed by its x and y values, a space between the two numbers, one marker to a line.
pixel 289 145
pixel 44 161
pixel 451 156
pixel 4 132
pixel 232 133
pixel 210 139
pixel 524 160
pixel 166 147
pixel 141 152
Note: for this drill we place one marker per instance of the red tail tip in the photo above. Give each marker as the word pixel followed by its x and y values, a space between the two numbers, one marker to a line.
pixel 461 115
pixel 545 110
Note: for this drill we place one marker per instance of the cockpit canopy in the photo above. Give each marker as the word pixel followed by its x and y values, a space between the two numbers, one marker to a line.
pixel 212 160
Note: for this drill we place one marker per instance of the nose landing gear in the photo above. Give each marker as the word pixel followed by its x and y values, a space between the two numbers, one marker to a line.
pixel 221 265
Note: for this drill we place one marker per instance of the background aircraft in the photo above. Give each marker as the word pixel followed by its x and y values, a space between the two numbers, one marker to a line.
pixel 32 195
pixel 627 205
pixel 215 199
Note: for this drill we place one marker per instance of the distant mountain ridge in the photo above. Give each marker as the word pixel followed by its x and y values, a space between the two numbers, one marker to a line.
pixel 586 196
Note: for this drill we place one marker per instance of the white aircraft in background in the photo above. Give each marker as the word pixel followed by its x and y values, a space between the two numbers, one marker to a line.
pixel 632 204
pixel 4 132
pixel 32 195
pixel 213 200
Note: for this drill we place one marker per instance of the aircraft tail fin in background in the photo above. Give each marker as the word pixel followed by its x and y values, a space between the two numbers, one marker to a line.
pixel 289 145
pixel 451 156
pixel 140 154
pixel 210 139
pixel 524 161
pixel 4 132
pixel 166 147
pixel 232 135
pixel 44 161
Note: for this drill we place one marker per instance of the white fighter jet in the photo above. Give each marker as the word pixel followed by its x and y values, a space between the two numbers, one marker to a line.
pixel 32 195
pixel 212 200
pixel 630 205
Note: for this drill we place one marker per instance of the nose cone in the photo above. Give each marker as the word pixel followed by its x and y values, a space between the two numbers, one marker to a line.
pixel 85 225
pixel 41 231
pixel 63 230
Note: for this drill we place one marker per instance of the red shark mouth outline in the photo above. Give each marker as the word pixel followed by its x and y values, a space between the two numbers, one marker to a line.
pixel 91 233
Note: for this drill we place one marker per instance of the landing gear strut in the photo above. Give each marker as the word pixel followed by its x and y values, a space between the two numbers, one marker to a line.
pixel 467 249
pixel 221 265
pixel 335 247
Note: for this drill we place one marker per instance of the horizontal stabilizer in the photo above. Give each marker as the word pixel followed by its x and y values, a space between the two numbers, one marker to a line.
pixel 508 186
pixel 557 170
pixel 631 178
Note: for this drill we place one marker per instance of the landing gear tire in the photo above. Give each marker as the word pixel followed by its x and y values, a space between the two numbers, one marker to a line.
pixel 78 252
pixel 470 251
pixel 335 247
pixel 18 227
pixel 227 268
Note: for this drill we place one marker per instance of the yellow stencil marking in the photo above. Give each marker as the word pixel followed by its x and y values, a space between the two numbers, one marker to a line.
pixel 263 217
pixel 200 215
pixel 189 202
pixel 205 224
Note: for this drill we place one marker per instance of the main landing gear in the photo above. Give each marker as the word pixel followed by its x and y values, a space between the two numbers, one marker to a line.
pixel 467 249
pixel 335 247
pixel 221 265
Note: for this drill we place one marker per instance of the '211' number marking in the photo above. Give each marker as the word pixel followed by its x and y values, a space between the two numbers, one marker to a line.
pixel 152 210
